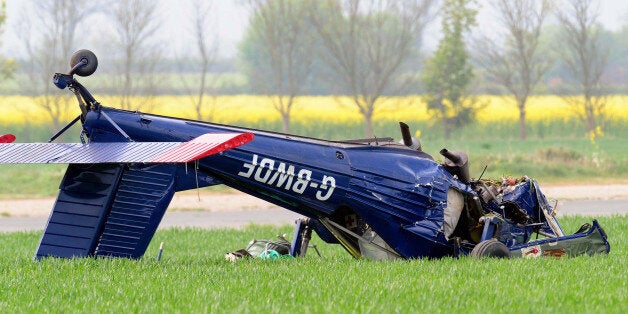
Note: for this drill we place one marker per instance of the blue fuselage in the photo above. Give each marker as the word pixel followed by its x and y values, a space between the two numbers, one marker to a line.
pixel 396 191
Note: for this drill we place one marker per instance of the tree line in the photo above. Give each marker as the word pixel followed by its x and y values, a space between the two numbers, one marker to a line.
pixel 364 49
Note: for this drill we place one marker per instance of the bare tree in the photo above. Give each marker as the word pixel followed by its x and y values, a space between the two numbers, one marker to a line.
pixel 136 23
pixel 585 58
pixel 207 49
pixel 202 22
pixel 517 65
pixel 49 39
pixel 283 39
pixel 365 43
pixel 7 66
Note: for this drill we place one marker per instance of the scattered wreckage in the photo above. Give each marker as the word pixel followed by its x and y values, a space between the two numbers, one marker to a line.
pixel 377 198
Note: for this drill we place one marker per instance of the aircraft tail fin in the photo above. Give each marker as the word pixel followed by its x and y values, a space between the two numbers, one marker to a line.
pixel 74 225
pixel 107 210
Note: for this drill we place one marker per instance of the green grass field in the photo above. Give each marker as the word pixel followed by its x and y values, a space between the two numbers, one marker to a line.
pixel 194 277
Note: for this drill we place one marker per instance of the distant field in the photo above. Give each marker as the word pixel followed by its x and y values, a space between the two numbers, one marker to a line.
pixel 310 109
pixel 194 277
pixel 332 117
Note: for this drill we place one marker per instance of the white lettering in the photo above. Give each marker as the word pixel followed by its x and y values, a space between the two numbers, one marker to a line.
pixel 283 176
pixel 330 188
pixel 303 178
pixel 250 167
pixel 265 163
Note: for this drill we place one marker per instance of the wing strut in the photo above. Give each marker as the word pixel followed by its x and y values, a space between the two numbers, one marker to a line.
pixel 115 125
pixel 65 128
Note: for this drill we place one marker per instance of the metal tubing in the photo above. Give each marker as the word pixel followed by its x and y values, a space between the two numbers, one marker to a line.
pixel 64 129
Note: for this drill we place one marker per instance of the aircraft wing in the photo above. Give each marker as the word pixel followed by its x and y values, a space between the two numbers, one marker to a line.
pixel 119 152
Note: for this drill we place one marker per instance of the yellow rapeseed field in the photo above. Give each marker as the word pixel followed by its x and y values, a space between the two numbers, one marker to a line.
pixel 308 109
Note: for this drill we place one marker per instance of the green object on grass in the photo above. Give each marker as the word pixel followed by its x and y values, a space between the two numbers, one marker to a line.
pixel 270 254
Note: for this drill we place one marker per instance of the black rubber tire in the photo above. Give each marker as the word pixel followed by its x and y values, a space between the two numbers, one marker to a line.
pixel 491 248
pixel 92 62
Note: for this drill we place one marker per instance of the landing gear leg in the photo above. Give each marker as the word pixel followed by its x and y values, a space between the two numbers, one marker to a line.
pixel 301 238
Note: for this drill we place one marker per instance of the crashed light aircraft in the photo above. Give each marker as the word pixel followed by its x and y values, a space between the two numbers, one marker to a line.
pixel 377 198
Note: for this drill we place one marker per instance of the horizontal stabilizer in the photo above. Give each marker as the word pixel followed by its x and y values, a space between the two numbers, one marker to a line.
pixel 121 152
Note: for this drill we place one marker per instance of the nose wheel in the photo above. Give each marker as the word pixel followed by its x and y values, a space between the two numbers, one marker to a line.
pixel 83 63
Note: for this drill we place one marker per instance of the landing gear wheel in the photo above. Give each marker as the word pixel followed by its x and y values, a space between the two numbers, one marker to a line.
pixel 87 56
pixel 491 248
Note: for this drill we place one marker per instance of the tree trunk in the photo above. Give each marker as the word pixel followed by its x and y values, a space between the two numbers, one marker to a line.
pixel 201 93
pixel 446 121
pixel 285 119
pixel 368 126
pixel 589 115
pixel 521 103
